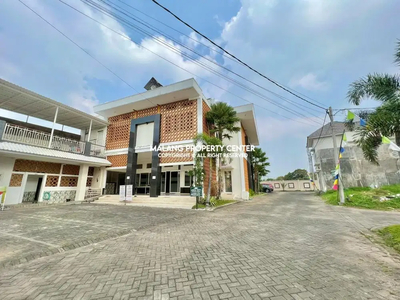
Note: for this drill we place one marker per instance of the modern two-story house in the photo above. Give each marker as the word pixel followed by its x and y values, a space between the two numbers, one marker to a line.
pixel 168 116
pixel 42 161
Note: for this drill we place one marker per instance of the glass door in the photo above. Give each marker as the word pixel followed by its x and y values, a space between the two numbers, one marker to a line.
pixel 174 182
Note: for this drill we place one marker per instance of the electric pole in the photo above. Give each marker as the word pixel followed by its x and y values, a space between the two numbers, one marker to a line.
pixel 336 154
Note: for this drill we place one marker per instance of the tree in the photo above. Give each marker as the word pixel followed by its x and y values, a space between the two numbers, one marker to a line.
pixel 385 120
pixel 298 174
pixel 222 122
pixel 212 141
pixel 259 161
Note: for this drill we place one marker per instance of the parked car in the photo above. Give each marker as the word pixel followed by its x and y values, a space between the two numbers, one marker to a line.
pixel 267 188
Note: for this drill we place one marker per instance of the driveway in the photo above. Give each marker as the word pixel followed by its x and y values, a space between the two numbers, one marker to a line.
pixel 281 246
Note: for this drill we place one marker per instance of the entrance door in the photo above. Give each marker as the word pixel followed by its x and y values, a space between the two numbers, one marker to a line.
pixel 174 182
pixel 170 182
pixel 39 185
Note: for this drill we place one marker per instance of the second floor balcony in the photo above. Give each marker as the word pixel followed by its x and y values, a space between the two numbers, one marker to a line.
pixel 24 135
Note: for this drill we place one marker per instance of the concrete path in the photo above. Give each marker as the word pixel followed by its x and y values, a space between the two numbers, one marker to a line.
pixel 280 246
pixel 183 202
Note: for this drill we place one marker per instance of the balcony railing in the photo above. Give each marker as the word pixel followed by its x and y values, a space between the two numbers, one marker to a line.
pixel 97 150
pixel 24 135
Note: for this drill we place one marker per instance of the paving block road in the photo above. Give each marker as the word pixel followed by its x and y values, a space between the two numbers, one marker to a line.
pixel 279 246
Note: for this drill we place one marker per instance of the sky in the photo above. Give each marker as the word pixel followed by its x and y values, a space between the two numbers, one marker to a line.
pixel 316 48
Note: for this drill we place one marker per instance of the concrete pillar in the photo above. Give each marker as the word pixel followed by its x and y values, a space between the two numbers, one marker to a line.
pixel 81 188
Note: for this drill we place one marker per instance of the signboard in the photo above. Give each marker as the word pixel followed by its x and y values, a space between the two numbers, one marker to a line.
pixel 129 192
pixel 3 190
pixel 121 193
pixel 196 191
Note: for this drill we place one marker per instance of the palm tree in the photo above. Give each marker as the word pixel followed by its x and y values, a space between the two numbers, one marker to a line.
pixel 212 141
pixel 385 120
pixel 260 164
pixel 222 121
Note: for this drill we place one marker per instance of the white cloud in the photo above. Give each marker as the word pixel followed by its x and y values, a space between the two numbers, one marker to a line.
pixel 309 82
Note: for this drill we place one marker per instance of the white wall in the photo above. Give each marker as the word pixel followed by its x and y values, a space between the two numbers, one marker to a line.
pixel 31 183
pixel 14 194
pixel 144 135
pixel 6 167
pixel 237 170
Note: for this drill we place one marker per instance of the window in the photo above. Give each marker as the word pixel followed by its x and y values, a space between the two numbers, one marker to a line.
pixel 148 166
pixel 137 179
pixel 277 185
pixel 140 166
pixel 144 179
pixel 306 185
pixel 188 179
pixel 228 182
pixel 291 185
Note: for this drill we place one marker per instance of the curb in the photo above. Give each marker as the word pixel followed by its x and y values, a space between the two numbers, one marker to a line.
pixel 228 204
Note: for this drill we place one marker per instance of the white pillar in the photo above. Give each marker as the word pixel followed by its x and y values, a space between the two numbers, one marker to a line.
pixel 81 187
pixel 90 130
pixel 52 129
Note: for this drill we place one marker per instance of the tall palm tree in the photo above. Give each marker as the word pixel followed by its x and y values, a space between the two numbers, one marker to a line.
pixel 205 139
pixel 259 160
pixel 222 120
pixel 386 119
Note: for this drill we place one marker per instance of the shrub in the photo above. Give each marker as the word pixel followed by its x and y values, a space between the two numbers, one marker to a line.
pixel 251 192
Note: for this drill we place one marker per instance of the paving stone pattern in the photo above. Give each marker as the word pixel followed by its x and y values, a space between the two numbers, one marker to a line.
pixel 281 246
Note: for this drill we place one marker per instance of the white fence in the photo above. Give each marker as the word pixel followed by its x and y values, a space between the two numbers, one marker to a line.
pixel 23 135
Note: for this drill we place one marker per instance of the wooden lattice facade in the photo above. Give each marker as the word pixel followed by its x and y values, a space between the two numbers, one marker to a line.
pixel 33 166
pixel 52 181
pixel 70 170
pixel 118 160
pixel 69 181
pixel 16 180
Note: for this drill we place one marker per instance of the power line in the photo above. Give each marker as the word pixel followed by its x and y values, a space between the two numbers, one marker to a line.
pixel 322 129
pixel 128 38
pixel 163 43
pixel 227 52
pixel 146 24
pixel 76 44
pixel 201 43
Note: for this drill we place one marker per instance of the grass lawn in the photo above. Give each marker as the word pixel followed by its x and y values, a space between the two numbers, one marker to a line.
pixel 218 203
pixel 391 236
pixel 366 197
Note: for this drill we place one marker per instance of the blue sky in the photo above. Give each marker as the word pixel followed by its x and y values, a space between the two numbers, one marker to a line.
pixel 315 47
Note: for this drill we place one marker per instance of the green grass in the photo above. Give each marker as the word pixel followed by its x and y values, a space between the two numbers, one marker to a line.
pixel 391 236
pixel 217 203
pixel 366 197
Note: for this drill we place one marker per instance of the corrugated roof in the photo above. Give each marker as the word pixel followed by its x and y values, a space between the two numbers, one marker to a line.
pixel 20 100
pixel 7 147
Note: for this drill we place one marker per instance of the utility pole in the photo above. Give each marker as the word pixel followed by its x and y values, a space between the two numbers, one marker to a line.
pixel 336 154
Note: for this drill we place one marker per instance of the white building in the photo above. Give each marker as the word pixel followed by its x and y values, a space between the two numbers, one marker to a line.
pixel 38 163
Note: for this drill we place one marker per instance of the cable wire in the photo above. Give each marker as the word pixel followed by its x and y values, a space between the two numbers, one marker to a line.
pixel 233 56
pixel 156 54
pixel 174 49
pixel 146 24
pixel 76 44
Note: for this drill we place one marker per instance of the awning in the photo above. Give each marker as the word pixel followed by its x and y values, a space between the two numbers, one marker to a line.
pixel 17 99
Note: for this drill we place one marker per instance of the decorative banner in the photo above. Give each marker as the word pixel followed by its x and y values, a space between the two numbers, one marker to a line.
pixel 362 122
pixel 340 155
pixel 350 115
pixel 341 149
pixel 385 140
pixel 344 137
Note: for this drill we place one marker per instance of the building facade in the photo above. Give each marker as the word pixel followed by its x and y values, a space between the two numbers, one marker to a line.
pixel 355 169
pixel 40 163
pixel 165 116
